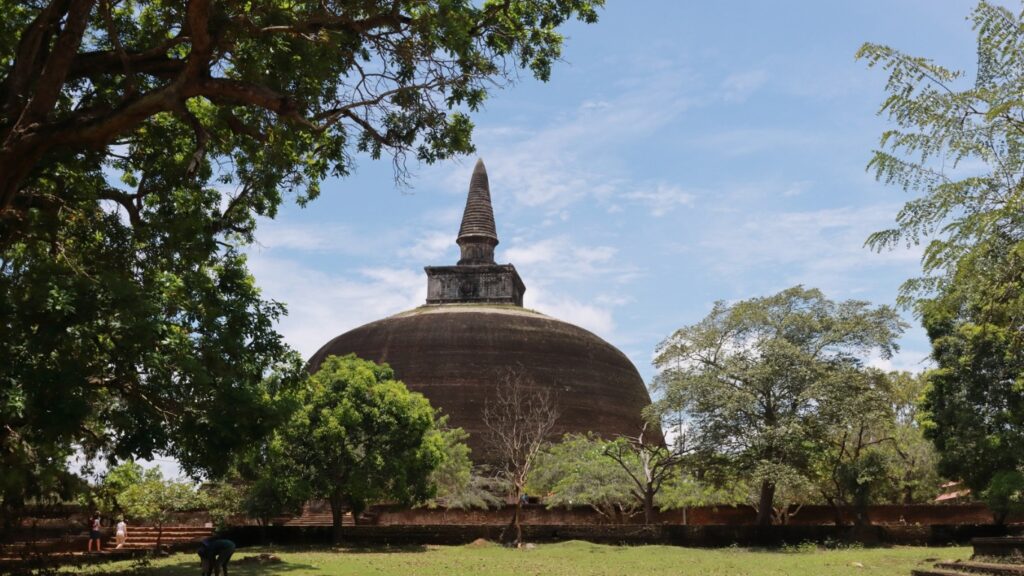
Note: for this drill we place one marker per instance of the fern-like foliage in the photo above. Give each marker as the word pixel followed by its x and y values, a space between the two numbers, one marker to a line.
pixel 955 145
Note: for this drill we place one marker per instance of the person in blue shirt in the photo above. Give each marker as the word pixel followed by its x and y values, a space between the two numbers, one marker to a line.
pixel 214 553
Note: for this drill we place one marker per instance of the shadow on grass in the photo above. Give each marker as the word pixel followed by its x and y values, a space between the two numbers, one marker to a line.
pixel 343 548
pixel 378 549
pixel 190 568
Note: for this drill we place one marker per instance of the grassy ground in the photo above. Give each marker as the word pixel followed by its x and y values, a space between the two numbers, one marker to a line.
pixel 565 559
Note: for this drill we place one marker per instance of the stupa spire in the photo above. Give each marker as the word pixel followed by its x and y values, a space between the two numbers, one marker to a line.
pixel 476 279
pixel 477 235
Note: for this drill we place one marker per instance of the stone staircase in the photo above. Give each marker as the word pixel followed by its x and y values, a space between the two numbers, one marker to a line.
pixel 1002 556
pixel 48 545
pixel 145 537
pixel 972 568
pixel 139 538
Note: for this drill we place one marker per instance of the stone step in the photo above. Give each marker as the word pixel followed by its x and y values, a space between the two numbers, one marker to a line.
pixel 935 572
pixel 170 528
pixel 983 568
pixel 154 539
pixel 154 535
pixel 166 538
pixel 154 531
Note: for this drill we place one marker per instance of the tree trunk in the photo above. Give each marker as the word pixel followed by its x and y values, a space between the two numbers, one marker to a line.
pixel 515 521
pixel 263 532
pixel 765 502
pixel 861 511
pixel 837 512
pixel 1000 517
pixel 357 510
pixel 648 507
pixel 337 515
pixel 159 534
pixel 908 495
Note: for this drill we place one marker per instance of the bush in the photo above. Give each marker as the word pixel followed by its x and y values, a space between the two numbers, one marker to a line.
pixel 1005 494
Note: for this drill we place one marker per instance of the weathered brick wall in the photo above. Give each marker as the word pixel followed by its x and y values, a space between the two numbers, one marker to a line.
pixel 539 515
pixel 693 536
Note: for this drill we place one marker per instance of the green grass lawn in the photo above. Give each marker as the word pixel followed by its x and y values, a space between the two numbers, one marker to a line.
pixel 567 559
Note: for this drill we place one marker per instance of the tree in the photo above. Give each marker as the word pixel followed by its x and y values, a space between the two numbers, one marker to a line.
pixel 872 448
pixel 914 461
pixel 272 486
pixel 941 123
pixel 975 403
pixel 519 421
pixel 578 472
pixel 35 477
pixel 858 424
pixel 105 497
pixel 270 495
pixel 360 437
pixel 648 464
pixel 752 376
pixel 970 298
pixel 792 487
pixel 155 499
pixel 141 140
pixel 224 501
pixel 1005 495
pixel 688 489
pixel 458 485
pixel 284 91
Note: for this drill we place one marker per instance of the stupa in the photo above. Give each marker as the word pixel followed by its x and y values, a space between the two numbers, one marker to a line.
pixel 474 328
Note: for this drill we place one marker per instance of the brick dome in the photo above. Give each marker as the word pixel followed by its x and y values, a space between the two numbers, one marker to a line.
pixel 455 354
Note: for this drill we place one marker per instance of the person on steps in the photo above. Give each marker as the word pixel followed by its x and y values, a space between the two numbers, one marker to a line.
pixel 121 533
pixel 94 533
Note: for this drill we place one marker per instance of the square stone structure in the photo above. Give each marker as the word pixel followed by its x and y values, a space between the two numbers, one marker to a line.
pixel 489 284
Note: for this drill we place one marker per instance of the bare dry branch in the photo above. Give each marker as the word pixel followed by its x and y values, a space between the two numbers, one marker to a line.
pixel 519 421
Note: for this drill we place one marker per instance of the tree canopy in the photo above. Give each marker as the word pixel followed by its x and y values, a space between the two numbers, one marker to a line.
pixel 975 404
pixel 139 143
pixel 360 437
pixel 957 146
pixel 942 122
pixel 458 484
pixel 755 378
pixel 578 472
pixel 153 498
pixel 872 447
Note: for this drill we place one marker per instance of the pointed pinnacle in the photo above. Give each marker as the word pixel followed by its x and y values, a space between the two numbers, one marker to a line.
pixel 478 218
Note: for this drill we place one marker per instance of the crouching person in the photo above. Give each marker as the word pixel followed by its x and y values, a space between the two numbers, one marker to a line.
pixel 214 553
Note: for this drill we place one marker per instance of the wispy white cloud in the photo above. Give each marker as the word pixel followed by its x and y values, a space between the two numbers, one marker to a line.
pixel 275 235
pixel 902 361
pixel 558 165
pixel 561 258
pixel 823 248
pixel 797 188
pixel 745 141
pixel 739 86
pixel 322 305
pixel 570 281
pixel 662 198
pixel 594 317
pixel 430 246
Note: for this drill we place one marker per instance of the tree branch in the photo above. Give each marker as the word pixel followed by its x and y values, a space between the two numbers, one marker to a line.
pixel 54 73
pixel 115 40
pixel 31 56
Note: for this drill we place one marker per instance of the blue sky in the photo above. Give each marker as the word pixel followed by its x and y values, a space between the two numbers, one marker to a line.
pixel 684 152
